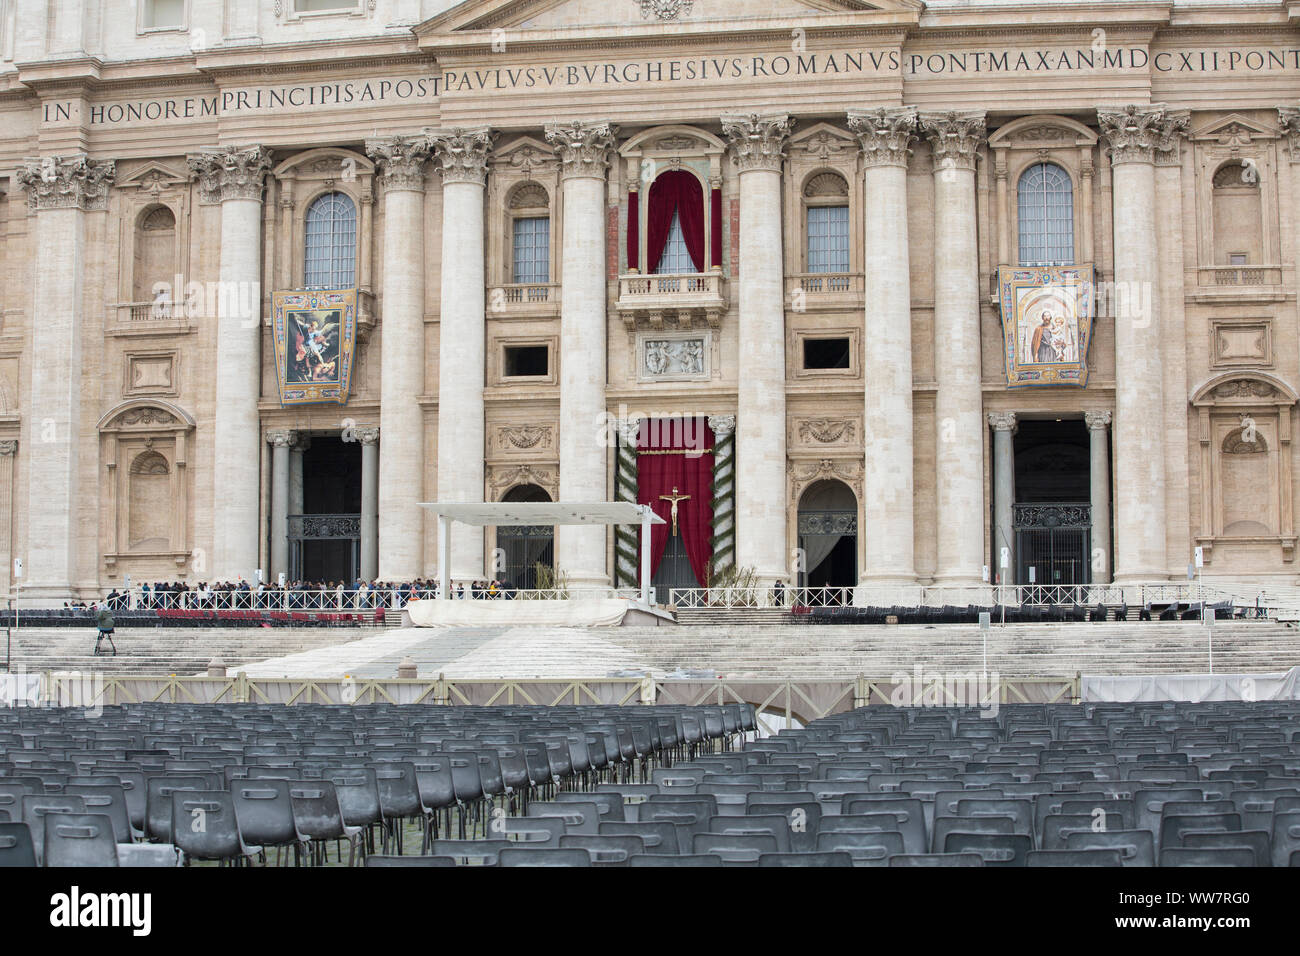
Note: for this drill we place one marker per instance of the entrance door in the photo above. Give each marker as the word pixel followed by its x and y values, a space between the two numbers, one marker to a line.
pixel 325 538
pixel 526 552
pixel 828 542
pixel 1054 540
pixel 1051 517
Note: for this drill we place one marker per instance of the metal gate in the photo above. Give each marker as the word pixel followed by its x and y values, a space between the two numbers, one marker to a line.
pixel 818 532
pixel 339 534
pixel 1054 540
pixel 523 548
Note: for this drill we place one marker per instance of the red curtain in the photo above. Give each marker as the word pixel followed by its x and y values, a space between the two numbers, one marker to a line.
pixel 691 473
pixel 676 191
pixel 715 228
pixel 633 231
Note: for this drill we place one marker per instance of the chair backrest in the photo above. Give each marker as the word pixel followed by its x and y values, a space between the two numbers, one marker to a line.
pixel 1258 842
pixel 605 850
pixel 399 791
pixel 316 810
pixel 357 789
pixel 1175 826
pixel 694 859
pixel 264 811
pixel 1058 827
pixel 577 817
pixel 470 852
pixel 737 848
pixel 543 856
pixel 908 810
pixel 539 830
pixel 36 807
pixel 829 858
pixel 772 824
pixel 79 839
pixel 378 859
pixel 866 848
pixel 936 859
pixel 1136 847
pixel 1205 856
pixel 158 803
pixel 1286 837
pixel 660 838
pixel 1073 858
pixel 997 849
pixel 110 800
pixel 16 846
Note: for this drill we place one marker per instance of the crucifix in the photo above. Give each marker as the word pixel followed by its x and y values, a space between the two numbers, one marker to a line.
pixel 674 498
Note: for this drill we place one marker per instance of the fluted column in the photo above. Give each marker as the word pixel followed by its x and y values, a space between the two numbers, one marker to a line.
pixel 369 438
pixel 462 156
pixel 234 176
pixel 60 191
pixel 1133 134
pixel 955 139
pixel 885 136
pixel 1099 484
pixel 400 521
pixel 8 452
pixel 583 150
pixel 280 441
pixel 758 143
pixel 1004 494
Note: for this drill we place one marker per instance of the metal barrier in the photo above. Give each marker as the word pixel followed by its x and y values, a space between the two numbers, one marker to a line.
pixel 789 700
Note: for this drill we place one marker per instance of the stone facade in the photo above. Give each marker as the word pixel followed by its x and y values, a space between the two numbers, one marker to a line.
pixel 181 146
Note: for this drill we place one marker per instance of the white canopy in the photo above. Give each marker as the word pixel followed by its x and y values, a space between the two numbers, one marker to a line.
pixel 500 513
pixel 504 513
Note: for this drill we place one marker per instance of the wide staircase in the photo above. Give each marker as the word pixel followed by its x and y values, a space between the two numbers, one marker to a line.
pixel 180 651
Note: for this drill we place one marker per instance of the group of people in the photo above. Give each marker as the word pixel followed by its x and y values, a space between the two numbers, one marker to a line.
pixel 294 595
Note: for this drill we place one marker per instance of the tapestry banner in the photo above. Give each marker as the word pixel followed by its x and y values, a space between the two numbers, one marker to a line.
pixel 1047 314
pixel 315 334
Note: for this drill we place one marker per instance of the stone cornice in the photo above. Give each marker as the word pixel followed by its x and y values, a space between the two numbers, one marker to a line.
pixel 884 134
pixel 583 148
pixel 461 153
pixel 757 140
pixel 1138 133
pixel 400 160
pixel 955 136
pixel 67 182
pixel 230 172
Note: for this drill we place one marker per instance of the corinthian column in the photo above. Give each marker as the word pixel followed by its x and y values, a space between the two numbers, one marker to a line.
pixel 280 440
pixel 1133 134
pixel 1099 473
pixel 60 191
pixel 959 443
pixel 758 148
pixel 583 150
pixel 401 161
pixel 885 136
pixel 1004 495
pixel 462 156
pixel 233 176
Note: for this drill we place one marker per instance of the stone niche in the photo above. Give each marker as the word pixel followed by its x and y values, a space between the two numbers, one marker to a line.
pixel 1246 507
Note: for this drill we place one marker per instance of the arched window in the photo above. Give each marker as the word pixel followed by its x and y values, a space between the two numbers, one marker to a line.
pixel 155 256
pixel 331 245
pixel 149 519
pixel 826 223
pixel 530 234
pixel 675 225
pixel 1046 207
pixel 1238 215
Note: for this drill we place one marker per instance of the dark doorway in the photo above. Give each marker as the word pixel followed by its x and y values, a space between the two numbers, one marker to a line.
pixel 325 538
pixel 526 553
pixel 828 540
pixel 1052 516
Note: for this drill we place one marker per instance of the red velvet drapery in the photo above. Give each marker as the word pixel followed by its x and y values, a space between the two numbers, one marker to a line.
pixel 676 191
pixel 691 473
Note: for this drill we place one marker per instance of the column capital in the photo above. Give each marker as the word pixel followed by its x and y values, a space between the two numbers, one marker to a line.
pixel 1288 118
pixel 230 172
pixel 461 152
pixel 67 182
pixel 955 137
pixel 757 140
pixel 885 134
pixel 400 160
pixel 723 426
pixel 8 448
pixel 583 148
pixel 1003 421
pixel 281 437
pixel 368 434
pixel 1097 421
pixel 1142 134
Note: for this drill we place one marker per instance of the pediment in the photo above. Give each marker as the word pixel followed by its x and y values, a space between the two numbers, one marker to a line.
pixel 1235 130
pixel 526 153
pixel 824 141
pixel 547 15
pixel 153 176
pixel 1043 132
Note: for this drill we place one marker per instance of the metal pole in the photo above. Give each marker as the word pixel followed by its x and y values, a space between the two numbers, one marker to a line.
pixel 444 557
pixel 645 555
pixel 9 636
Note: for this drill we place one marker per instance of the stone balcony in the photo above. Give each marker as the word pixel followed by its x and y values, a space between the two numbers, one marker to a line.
pixel 686 300
pixel 817 291
pixel 523 300
pixel 1251 275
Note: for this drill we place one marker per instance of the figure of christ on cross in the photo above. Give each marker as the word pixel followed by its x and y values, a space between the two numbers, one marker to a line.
pixel 674 498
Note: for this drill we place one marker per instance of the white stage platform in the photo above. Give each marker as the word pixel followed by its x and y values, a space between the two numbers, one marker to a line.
pixel 596 612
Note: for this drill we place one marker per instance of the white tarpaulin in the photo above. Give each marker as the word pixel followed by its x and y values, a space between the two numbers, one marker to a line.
pixel 1193 688
pixel 607 612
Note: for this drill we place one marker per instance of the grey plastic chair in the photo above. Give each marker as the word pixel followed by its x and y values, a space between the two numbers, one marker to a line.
pixel 35 808
pixel 79 839
pixel 381 859
pixel 1136 847
pixel 1286 837
pixel 543 856
pixel 659 837
pixel 108 799
pixel 735 848
pixel 16 846
pixel 806 859
pixel 1204 856
pixel 935 859
pixel 605 850
pixel 1073 858
pixel 1257 841
pixel 694 859
pixel 997 849
pixel 866 848
pixel 470 852
pixel 319 818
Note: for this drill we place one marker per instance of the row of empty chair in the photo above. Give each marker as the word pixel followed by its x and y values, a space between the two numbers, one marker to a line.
pixel 1010 614
pixel 227 782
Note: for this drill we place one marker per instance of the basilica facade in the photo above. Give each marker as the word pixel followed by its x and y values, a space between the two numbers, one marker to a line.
pixel 859 293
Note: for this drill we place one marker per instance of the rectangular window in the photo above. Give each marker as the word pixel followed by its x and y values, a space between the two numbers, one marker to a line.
pixel 828 238
pixel 1238 259
pixel 826 353
pixel 527 360
pixel 323 6
pixel 532 249
pixel 163 15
